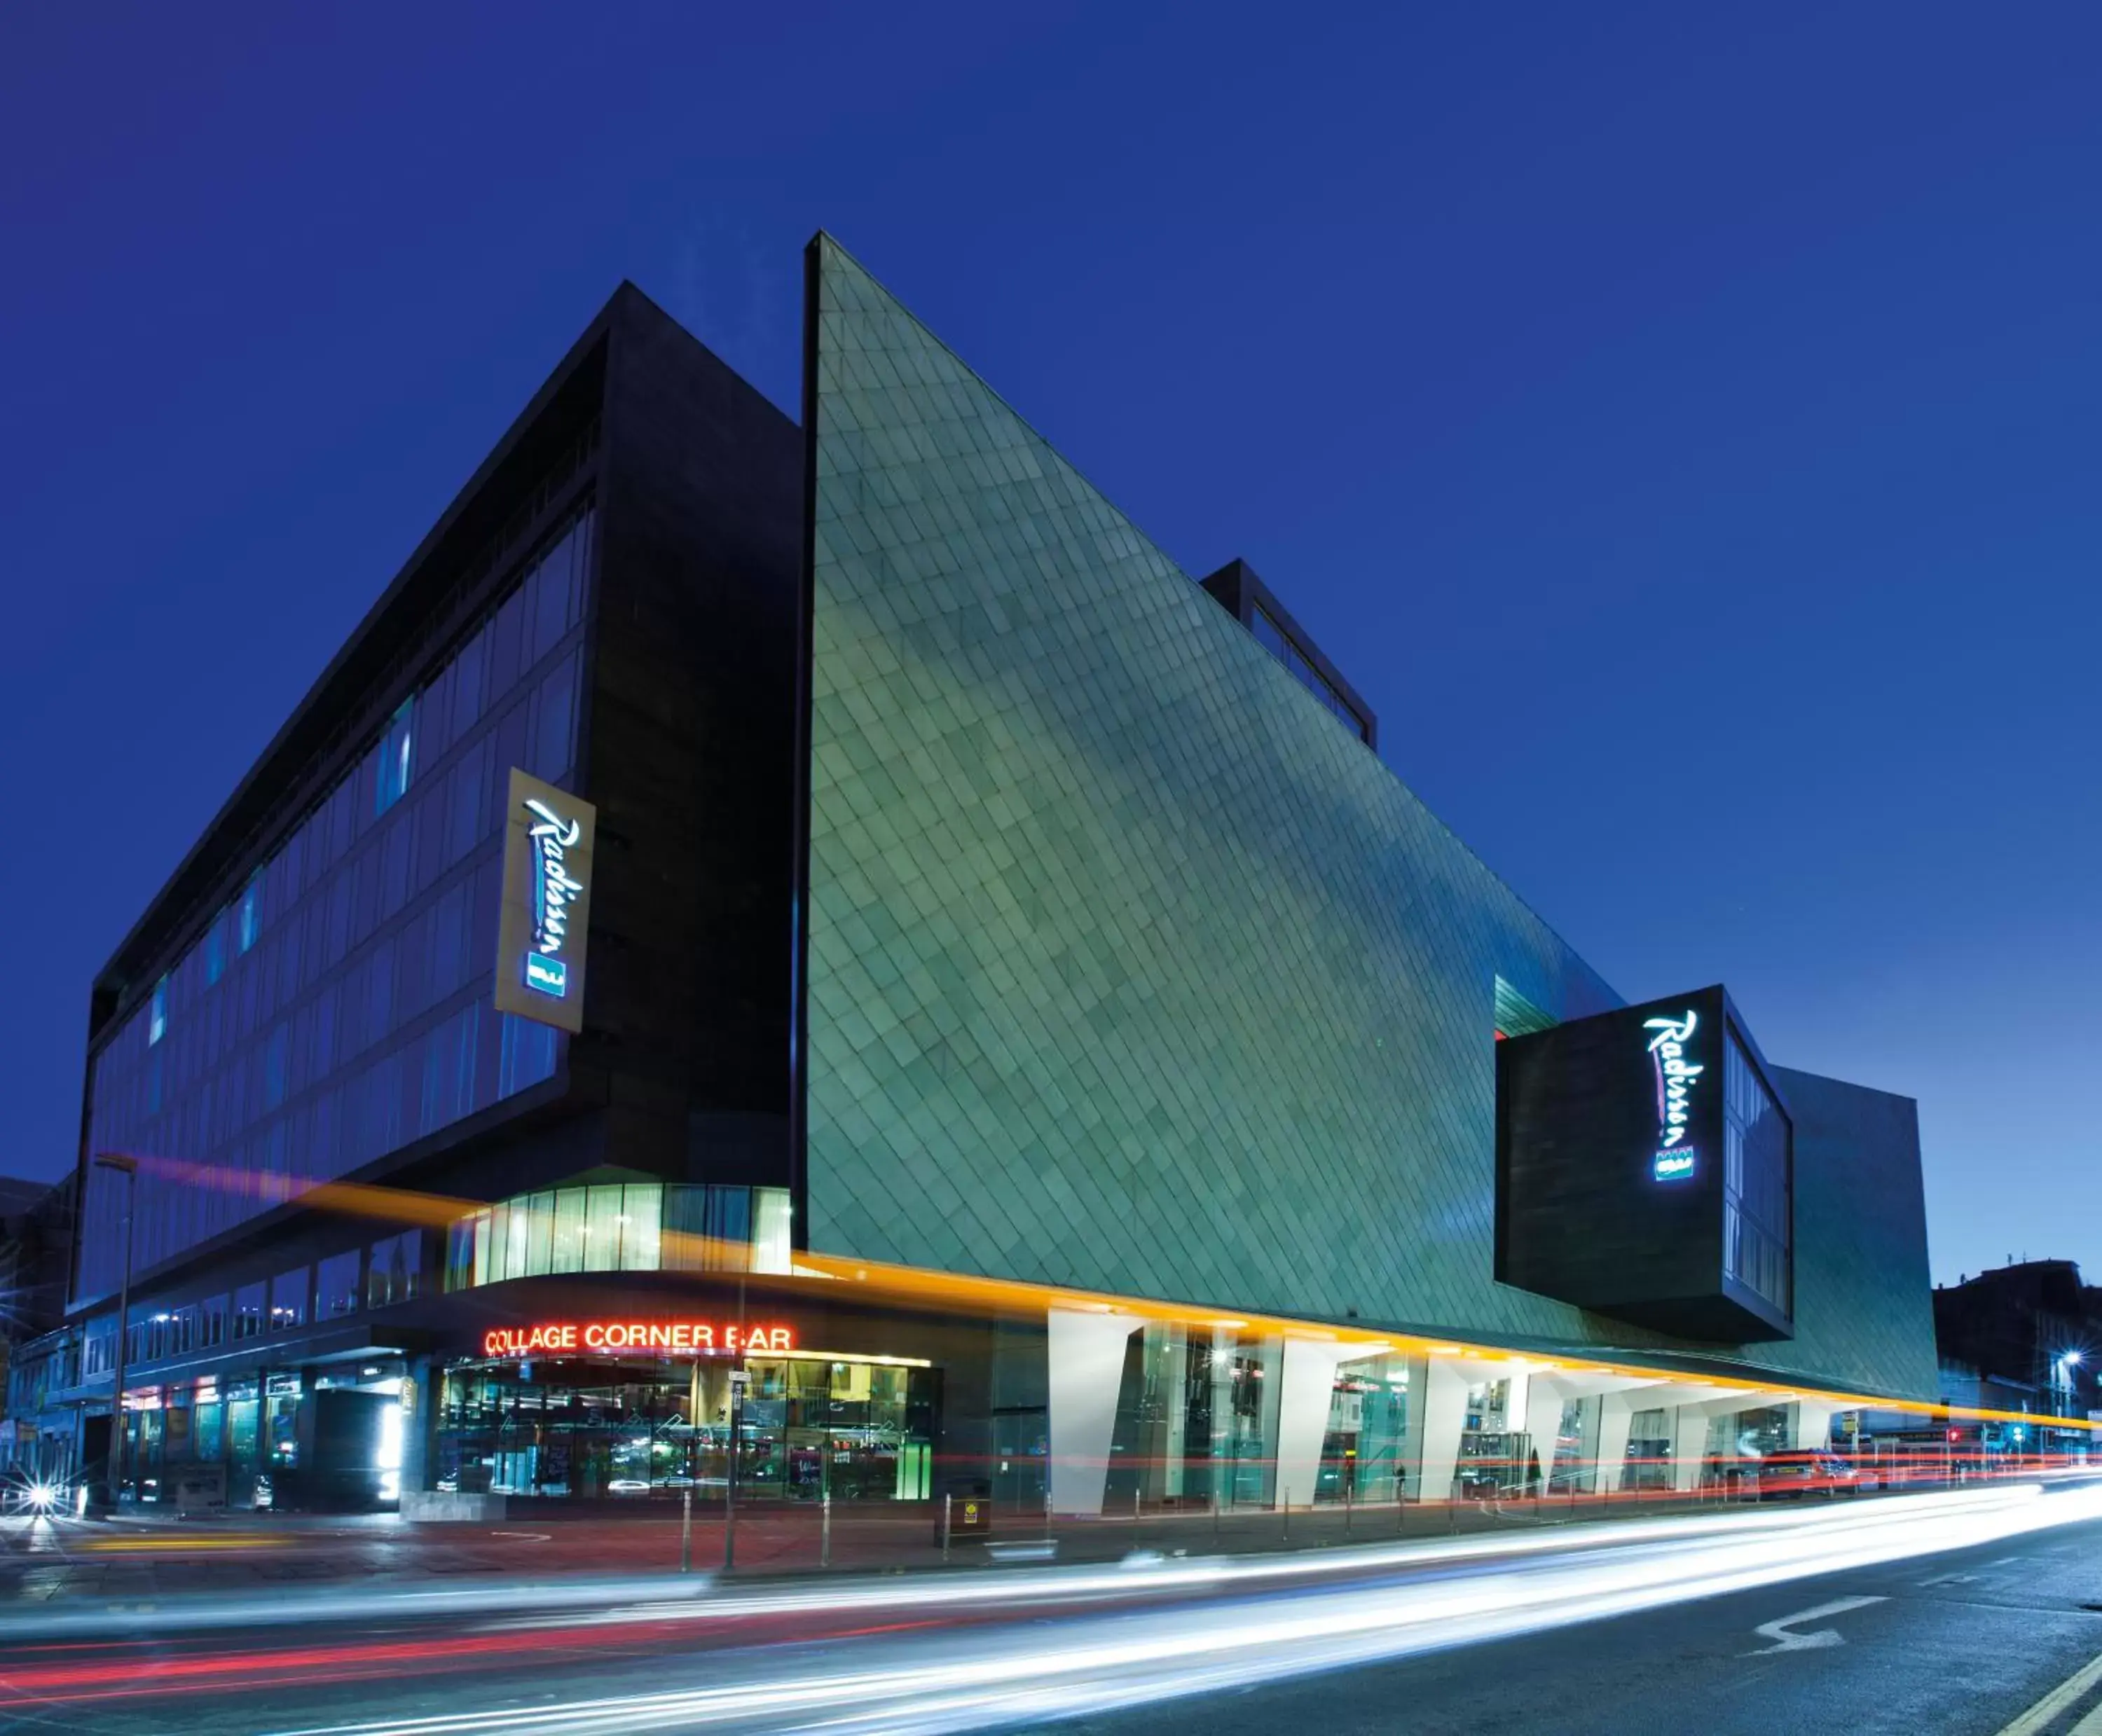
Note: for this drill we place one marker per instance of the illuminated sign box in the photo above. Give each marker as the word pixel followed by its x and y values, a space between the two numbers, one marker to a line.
pixel 1614 1186
pixel 546 912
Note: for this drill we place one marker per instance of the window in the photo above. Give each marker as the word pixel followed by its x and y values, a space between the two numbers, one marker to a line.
pixel 288 1300
pixel 772 1248
pixel 395 1273
pixel 635 1227
pixel 1274 639
pixel 392 779
pixel 1757 1158
pixel 248 1303
pixel 211 1322
pixel 335 1286
pixel 271 1056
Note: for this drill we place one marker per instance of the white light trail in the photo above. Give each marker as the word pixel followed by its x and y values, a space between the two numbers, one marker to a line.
pixel 971 1677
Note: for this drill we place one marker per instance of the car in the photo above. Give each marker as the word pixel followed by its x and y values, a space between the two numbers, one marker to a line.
pixel 1791 1474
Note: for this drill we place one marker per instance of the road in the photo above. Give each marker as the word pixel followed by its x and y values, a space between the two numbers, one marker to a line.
pixel 1958 1645
pixel 1951 1612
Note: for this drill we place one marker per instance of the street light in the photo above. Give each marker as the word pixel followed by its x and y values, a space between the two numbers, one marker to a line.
pixel 128 1167
pixel 2063 1367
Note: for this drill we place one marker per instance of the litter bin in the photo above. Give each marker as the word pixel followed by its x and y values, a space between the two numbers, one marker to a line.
pixel 969 1503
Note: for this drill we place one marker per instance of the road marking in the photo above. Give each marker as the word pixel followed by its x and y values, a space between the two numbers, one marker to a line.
pixel 2046 1710
pixel 1785 1641
pixel 1952 1579
pixel 530 1537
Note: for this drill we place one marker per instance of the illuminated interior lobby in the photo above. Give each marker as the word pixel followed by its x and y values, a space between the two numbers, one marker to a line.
pixel 819 926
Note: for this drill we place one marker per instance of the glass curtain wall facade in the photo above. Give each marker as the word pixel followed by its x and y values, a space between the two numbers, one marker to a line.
pixel 854 1428
pixel 636 1226
pixel 337 1006
pixel 1199 1421
pixel 1757 1212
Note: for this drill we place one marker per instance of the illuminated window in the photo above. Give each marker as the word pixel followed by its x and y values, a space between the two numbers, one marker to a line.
pixel 248 923
pixel 395 747
pixel 635 1227
pixel 772 1245
pixel 156 1016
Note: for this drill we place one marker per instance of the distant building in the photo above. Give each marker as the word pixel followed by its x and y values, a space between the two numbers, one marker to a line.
pixel 36 1248
pixel 2028 1333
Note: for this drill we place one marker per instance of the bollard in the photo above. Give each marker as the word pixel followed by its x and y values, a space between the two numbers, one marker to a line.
pixel 1284 1509
pixel 1215 1512
pixel 825 1531
pixel 1348 1481
pixel 730 1535
pixel 686 1530
pixel 947 1503
pixel 1134 1507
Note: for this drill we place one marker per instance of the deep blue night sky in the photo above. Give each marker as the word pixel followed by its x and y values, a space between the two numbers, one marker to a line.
pixel 1683 428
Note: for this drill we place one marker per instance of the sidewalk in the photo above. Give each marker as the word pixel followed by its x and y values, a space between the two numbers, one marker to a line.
pixel 137 1554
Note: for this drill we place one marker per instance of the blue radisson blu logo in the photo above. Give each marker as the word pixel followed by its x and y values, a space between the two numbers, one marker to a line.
pixel 1675 1078
pixel 555 889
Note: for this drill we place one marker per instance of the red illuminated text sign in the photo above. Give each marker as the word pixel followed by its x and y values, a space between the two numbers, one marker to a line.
pixel 688 1337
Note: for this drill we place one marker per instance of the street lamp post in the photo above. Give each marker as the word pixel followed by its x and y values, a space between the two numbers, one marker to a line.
pixel 128 1167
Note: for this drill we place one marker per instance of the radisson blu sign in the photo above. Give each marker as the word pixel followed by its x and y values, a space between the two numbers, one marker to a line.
pixel 547 903
pixel 1677 1076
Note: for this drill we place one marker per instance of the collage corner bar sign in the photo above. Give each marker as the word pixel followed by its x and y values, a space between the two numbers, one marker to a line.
pixel 548 836
pixel 1671 1041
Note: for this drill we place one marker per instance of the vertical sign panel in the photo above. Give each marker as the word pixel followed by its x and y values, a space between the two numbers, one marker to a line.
pixel 547 903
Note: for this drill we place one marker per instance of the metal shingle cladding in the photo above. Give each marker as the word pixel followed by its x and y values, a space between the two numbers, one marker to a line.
pixel 1128 967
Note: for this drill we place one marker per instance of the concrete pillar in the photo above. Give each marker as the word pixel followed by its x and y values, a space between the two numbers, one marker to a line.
pixel 1616 1413
pixel 1305 1392
pixel 1810 1423
pixel 1434 1427
pixel 1085 1351
pixel 1689 1446
pixel 1545 1398
pixel 1694 1406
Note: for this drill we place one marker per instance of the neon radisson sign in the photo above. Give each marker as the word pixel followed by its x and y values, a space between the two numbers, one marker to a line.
pixel 1675 1079
pixel 680 1337
pixel 555 889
